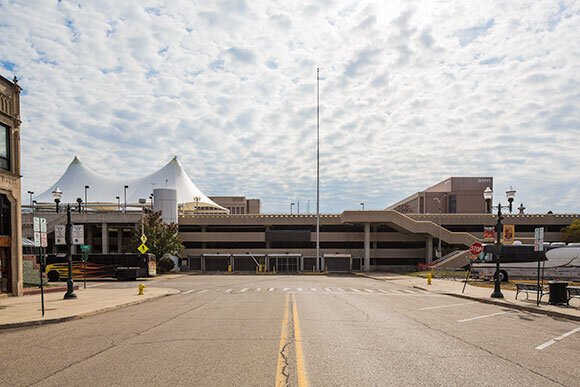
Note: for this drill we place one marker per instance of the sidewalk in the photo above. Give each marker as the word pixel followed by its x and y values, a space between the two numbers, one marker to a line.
pixel 24 311
pixel 481 294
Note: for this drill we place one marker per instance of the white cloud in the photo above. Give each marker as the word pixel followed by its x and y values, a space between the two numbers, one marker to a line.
pixel 410 94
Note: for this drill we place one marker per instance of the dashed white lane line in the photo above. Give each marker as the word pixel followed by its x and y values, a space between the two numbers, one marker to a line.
pixel 229 290
pixel 447 306
pixel 299 289
pixel 189 291
pixel 556 339
pixel 271 289
pixel 243 290
pixel 327 290
pixel 202 291
pixel 340 289
pixel 355 290
pixel 369 290
pixel 382 291
pixel 480 317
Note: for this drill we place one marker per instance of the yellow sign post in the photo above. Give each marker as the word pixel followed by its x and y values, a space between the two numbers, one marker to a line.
pixel 143 249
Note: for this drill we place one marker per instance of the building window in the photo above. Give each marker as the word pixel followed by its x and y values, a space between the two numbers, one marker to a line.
pixel 5 218
pixel 4 147
pixel 452 204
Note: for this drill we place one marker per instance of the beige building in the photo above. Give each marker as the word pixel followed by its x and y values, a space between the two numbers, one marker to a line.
pixel 238 205
pixel 457 195
pixel 10 211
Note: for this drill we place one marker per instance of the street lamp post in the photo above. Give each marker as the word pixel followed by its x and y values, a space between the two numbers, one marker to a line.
pixel 291 206
pixel 56 196
pixel 86 203
pixel 125 199
pixel 118 203
pixel 439 252
pixel 80 202
pixel 362 204
pixel 31 193
pixel 488 196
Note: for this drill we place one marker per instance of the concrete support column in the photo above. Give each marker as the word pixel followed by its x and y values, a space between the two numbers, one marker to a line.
pixel 429 249
pixel 105 238
pixel 375 230
pixel 267 242
pixel 367 258
pixel 203 244
pixel 120 239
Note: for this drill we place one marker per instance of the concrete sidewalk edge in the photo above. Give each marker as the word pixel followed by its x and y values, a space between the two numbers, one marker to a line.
pixel 530 309
pixel 79 316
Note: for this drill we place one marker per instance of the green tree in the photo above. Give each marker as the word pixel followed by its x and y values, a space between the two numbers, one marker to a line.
pixel 161 238
pixel 572 232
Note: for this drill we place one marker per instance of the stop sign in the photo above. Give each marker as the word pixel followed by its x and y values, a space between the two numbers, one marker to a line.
pixel 476 248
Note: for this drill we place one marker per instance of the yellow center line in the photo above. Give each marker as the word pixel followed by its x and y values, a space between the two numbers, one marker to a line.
pixel 280 378
pixel 302 379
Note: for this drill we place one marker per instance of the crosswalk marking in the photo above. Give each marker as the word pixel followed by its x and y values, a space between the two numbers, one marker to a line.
pixel 375 291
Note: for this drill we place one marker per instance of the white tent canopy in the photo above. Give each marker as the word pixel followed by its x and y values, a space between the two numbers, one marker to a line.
pixel 104 190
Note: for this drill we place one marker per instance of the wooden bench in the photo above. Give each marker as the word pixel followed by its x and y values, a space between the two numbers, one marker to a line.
pixel 530 288
pixel 573 292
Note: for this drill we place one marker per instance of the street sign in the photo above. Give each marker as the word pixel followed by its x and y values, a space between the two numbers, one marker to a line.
pixel 43 240
pixel 143 238
pixel 476 248
pixel 78 234
pixel 37 240
pixel 539 239
pixel 36 222
pixel 59 235
pixel 489 234
pixel 143 249
pixel 42 225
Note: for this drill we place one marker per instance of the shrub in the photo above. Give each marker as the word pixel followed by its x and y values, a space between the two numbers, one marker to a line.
pixel 165 264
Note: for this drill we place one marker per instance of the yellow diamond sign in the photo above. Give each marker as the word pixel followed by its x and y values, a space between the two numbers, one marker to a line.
pixel 143 249
pixel 143 239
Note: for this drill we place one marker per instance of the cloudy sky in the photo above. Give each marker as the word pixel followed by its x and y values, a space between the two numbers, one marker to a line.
pixel 411 92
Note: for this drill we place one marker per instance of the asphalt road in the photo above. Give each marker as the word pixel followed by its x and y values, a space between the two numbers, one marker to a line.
pixel 296 330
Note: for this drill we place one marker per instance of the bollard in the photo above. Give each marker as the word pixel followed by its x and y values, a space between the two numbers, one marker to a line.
pixel 141 290
pixel 229 268
pixel 429 276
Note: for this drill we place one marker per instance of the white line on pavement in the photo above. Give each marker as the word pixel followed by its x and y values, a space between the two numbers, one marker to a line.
pixel 555 340
pixel 229 290
pixel 327 289
pixel 479 317
pixel 313 289
pixel 271 289
pixel 189 291
pixel 202 291
pixel 243 290
pixel 382 291
pixel 355 290
pixel 447 306
pixel 299 289
pixel 285 289
pixel 340 289
pixel 368 290
pixel 258 289
pixel 409 291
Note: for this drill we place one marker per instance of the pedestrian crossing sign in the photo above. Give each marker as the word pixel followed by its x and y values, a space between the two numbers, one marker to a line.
pixel 143 249
pixel 143 238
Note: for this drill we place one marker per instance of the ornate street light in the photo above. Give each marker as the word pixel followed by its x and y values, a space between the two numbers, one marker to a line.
pixel 80 201
pixel 362 204
pixel 510 194
pixel 488 196
pixel 56 196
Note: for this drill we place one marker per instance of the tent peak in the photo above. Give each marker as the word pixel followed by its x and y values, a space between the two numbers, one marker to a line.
pixel 76 160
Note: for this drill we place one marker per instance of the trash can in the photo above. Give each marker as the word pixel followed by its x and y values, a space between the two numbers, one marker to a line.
pixel 558 293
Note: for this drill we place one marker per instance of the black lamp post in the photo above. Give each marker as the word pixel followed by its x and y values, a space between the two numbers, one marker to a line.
pixel 488 195
pixel 118 203
pixel 80 201
pixel 125 198
pixel 86 202
pixel 362 204
pixel 70 293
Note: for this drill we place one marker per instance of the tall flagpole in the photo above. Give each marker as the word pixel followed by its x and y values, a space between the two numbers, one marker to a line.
pixel 318 268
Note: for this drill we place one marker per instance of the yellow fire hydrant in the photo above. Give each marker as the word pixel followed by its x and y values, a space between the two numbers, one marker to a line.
pixel 141 290
pixel 429 277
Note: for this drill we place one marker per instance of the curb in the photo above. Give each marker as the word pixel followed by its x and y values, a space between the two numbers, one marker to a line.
pixel 57 320
pixel 507 305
